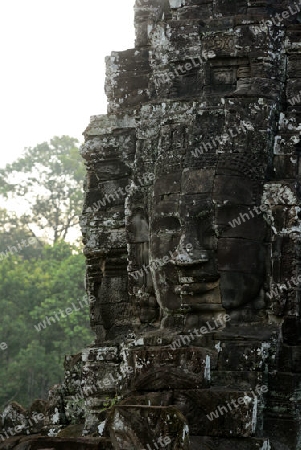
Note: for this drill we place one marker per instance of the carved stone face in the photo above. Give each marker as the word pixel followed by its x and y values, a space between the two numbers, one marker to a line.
pixel 212 265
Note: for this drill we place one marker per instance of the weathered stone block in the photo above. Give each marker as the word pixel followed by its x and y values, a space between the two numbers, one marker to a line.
pixel 144 427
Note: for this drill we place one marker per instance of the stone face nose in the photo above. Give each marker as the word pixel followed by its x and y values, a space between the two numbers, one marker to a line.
pixel 195 244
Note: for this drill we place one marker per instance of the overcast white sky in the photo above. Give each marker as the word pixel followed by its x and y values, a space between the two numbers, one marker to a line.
pixel 52 66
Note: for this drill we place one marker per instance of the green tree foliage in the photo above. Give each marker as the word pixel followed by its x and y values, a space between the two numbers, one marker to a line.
pixel 48 178
pixel 30 290
pixel 41 279
pixel 13 231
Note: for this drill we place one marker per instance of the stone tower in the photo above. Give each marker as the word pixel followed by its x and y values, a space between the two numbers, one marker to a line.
pixel 192 231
